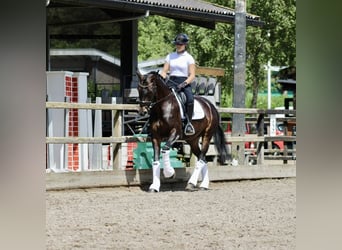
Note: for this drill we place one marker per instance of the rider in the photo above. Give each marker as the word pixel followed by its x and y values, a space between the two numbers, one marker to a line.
pixel 181 66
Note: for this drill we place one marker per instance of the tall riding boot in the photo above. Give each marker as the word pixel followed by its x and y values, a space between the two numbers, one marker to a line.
pixel 189 129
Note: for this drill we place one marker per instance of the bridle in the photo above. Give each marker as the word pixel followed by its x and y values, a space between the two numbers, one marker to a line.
pixel 152 86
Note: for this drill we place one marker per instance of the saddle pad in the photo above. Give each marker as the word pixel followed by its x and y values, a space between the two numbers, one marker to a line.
pixel 198 111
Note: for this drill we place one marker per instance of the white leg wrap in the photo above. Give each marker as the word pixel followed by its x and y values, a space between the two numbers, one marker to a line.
pixel 198 168
pixel 205 177
pixel 168 171
pixel 156 176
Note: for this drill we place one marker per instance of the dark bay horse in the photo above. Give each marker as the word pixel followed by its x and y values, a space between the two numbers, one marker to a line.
pixel 166 126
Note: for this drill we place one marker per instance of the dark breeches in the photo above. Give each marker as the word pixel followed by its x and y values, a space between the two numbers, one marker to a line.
pixel 175 81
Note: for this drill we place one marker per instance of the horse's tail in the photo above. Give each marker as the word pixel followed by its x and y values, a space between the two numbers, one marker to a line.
pixel 219 136
pixel 221 145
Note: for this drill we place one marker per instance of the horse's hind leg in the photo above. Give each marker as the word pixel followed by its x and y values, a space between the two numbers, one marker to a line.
pixel 201 166
pixel 204 171
pixel 195 175
pixel 205 177
pixel 192 182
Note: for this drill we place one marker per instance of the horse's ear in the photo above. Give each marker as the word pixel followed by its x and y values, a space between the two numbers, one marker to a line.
pixel 139 75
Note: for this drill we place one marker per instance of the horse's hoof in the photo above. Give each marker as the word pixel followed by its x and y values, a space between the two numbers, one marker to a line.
pixel 152 190
pixel 171 177
pixel 190 187
pixel 203 189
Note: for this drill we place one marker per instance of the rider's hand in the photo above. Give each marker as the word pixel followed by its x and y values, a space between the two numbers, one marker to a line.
pixel 163 75
pixel 181 86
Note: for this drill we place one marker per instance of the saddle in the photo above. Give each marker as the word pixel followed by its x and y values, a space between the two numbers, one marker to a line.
pixel 181 99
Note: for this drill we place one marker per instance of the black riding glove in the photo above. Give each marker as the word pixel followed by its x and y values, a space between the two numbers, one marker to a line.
pixel 181 86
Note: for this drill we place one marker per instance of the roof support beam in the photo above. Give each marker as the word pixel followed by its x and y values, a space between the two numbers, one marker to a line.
pixel 115 20
pixel 83 36
pixel 239 78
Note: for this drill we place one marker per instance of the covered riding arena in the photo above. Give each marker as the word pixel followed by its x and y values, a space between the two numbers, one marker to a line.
pixel 246 207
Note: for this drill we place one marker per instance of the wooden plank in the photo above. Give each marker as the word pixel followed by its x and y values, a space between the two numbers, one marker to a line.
pixel 135 107
pixel 92 140
pixel 209 71
pixel 121 139
pixel 103 106
pixel 254 111
pixel 240 110
pixel 245 138
pixel 271 151
pixel 275 157
pixel 280 138
pixel 113 178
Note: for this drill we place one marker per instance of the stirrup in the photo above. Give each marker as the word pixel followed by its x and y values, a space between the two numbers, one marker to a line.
pixel 189 129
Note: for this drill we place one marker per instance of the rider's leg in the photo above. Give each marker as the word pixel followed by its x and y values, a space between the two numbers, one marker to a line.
pixel 189 129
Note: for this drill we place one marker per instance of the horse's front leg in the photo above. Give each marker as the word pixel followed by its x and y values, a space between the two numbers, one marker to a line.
pixel 155 186
pixel 168 170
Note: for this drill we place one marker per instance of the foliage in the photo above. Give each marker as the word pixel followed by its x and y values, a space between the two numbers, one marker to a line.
pixel 155 36
pixel 274 42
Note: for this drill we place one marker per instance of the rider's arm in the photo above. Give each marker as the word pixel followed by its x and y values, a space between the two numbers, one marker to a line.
pixel 192 74
pixel 165 69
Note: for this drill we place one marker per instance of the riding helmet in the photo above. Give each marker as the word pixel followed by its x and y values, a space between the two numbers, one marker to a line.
pixel 181 39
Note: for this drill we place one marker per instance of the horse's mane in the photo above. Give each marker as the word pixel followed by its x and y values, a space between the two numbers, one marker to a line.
pixel 157 75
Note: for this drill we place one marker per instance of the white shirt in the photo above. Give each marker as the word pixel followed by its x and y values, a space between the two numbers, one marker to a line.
pixel 179 63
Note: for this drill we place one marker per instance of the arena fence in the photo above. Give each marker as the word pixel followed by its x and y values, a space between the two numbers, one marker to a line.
pixel 116 149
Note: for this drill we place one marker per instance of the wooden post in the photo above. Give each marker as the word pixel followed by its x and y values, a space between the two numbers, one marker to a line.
pixel 90 134
pixel 66 134
pixel 260 148
pixel 238 127
pixel 97 148
pixel 116 132
pixel 129 54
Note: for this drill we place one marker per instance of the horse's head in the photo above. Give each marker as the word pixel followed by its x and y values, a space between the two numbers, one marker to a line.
pixel 147 91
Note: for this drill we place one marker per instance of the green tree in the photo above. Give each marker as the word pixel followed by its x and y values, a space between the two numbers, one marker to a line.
pixel 274 42
pixel 155 37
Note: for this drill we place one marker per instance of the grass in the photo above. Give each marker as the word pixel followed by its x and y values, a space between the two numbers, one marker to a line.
pixel 276 101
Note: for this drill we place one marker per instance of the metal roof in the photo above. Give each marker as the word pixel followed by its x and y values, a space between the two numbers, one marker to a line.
pixel 192 11
pixel 190 5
